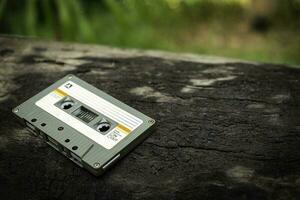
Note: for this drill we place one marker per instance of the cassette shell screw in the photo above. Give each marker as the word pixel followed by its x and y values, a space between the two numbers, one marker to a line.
pixel 151 121
pixel 96 165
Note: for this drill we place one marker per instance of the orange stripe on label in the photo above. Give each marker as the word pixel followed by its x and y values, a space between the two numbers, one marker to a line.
pixel 124 129
pixel 60 92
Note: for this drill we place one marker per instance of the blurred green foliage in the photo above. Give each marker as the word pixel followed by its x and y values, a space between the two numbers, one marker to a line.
pixel 218 27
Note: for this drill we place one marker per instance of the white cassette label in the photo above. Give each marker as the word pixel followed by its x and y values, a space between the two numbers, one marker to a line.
pixel 126 122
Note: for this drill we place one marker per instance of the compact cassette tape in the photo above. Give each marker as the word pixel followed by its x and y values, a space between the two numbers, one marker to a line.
pixel 88 126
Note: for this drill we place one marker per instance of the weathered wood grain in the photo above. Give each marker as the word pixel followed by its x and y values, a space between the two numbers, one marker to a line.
pixel 227 129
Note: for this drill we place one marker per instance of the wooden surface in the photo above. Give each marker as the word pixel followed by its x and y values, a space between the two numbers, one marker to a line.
pixel 227 129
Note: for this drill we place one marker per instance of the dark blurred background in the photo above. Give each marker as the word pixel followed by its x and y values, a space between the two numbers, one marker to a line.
pixel 260 30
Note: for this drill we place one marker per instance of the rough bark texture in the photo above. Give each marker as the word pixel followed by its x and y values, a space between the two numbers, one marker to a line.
pixel 227 129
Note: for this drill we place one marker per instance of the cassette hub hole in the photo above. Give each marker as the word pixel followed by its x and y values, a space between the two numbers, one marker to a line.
pixel 43 124
pixel 67 104
pixel 103 126
pixel 67 140
pixel 33 120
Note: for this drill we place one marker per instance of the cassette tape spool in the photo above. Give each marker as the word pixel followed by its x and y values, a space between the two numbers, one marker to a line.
pixel 90 127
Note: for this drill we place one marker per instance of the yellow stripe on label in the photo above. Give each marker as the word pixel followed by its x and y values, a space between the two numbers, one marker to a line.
pixel 124 129
pixel 60 92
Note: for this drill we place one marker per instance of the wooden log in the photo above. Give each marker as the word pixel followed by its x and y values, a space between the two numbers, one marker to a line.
pixel 227 129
